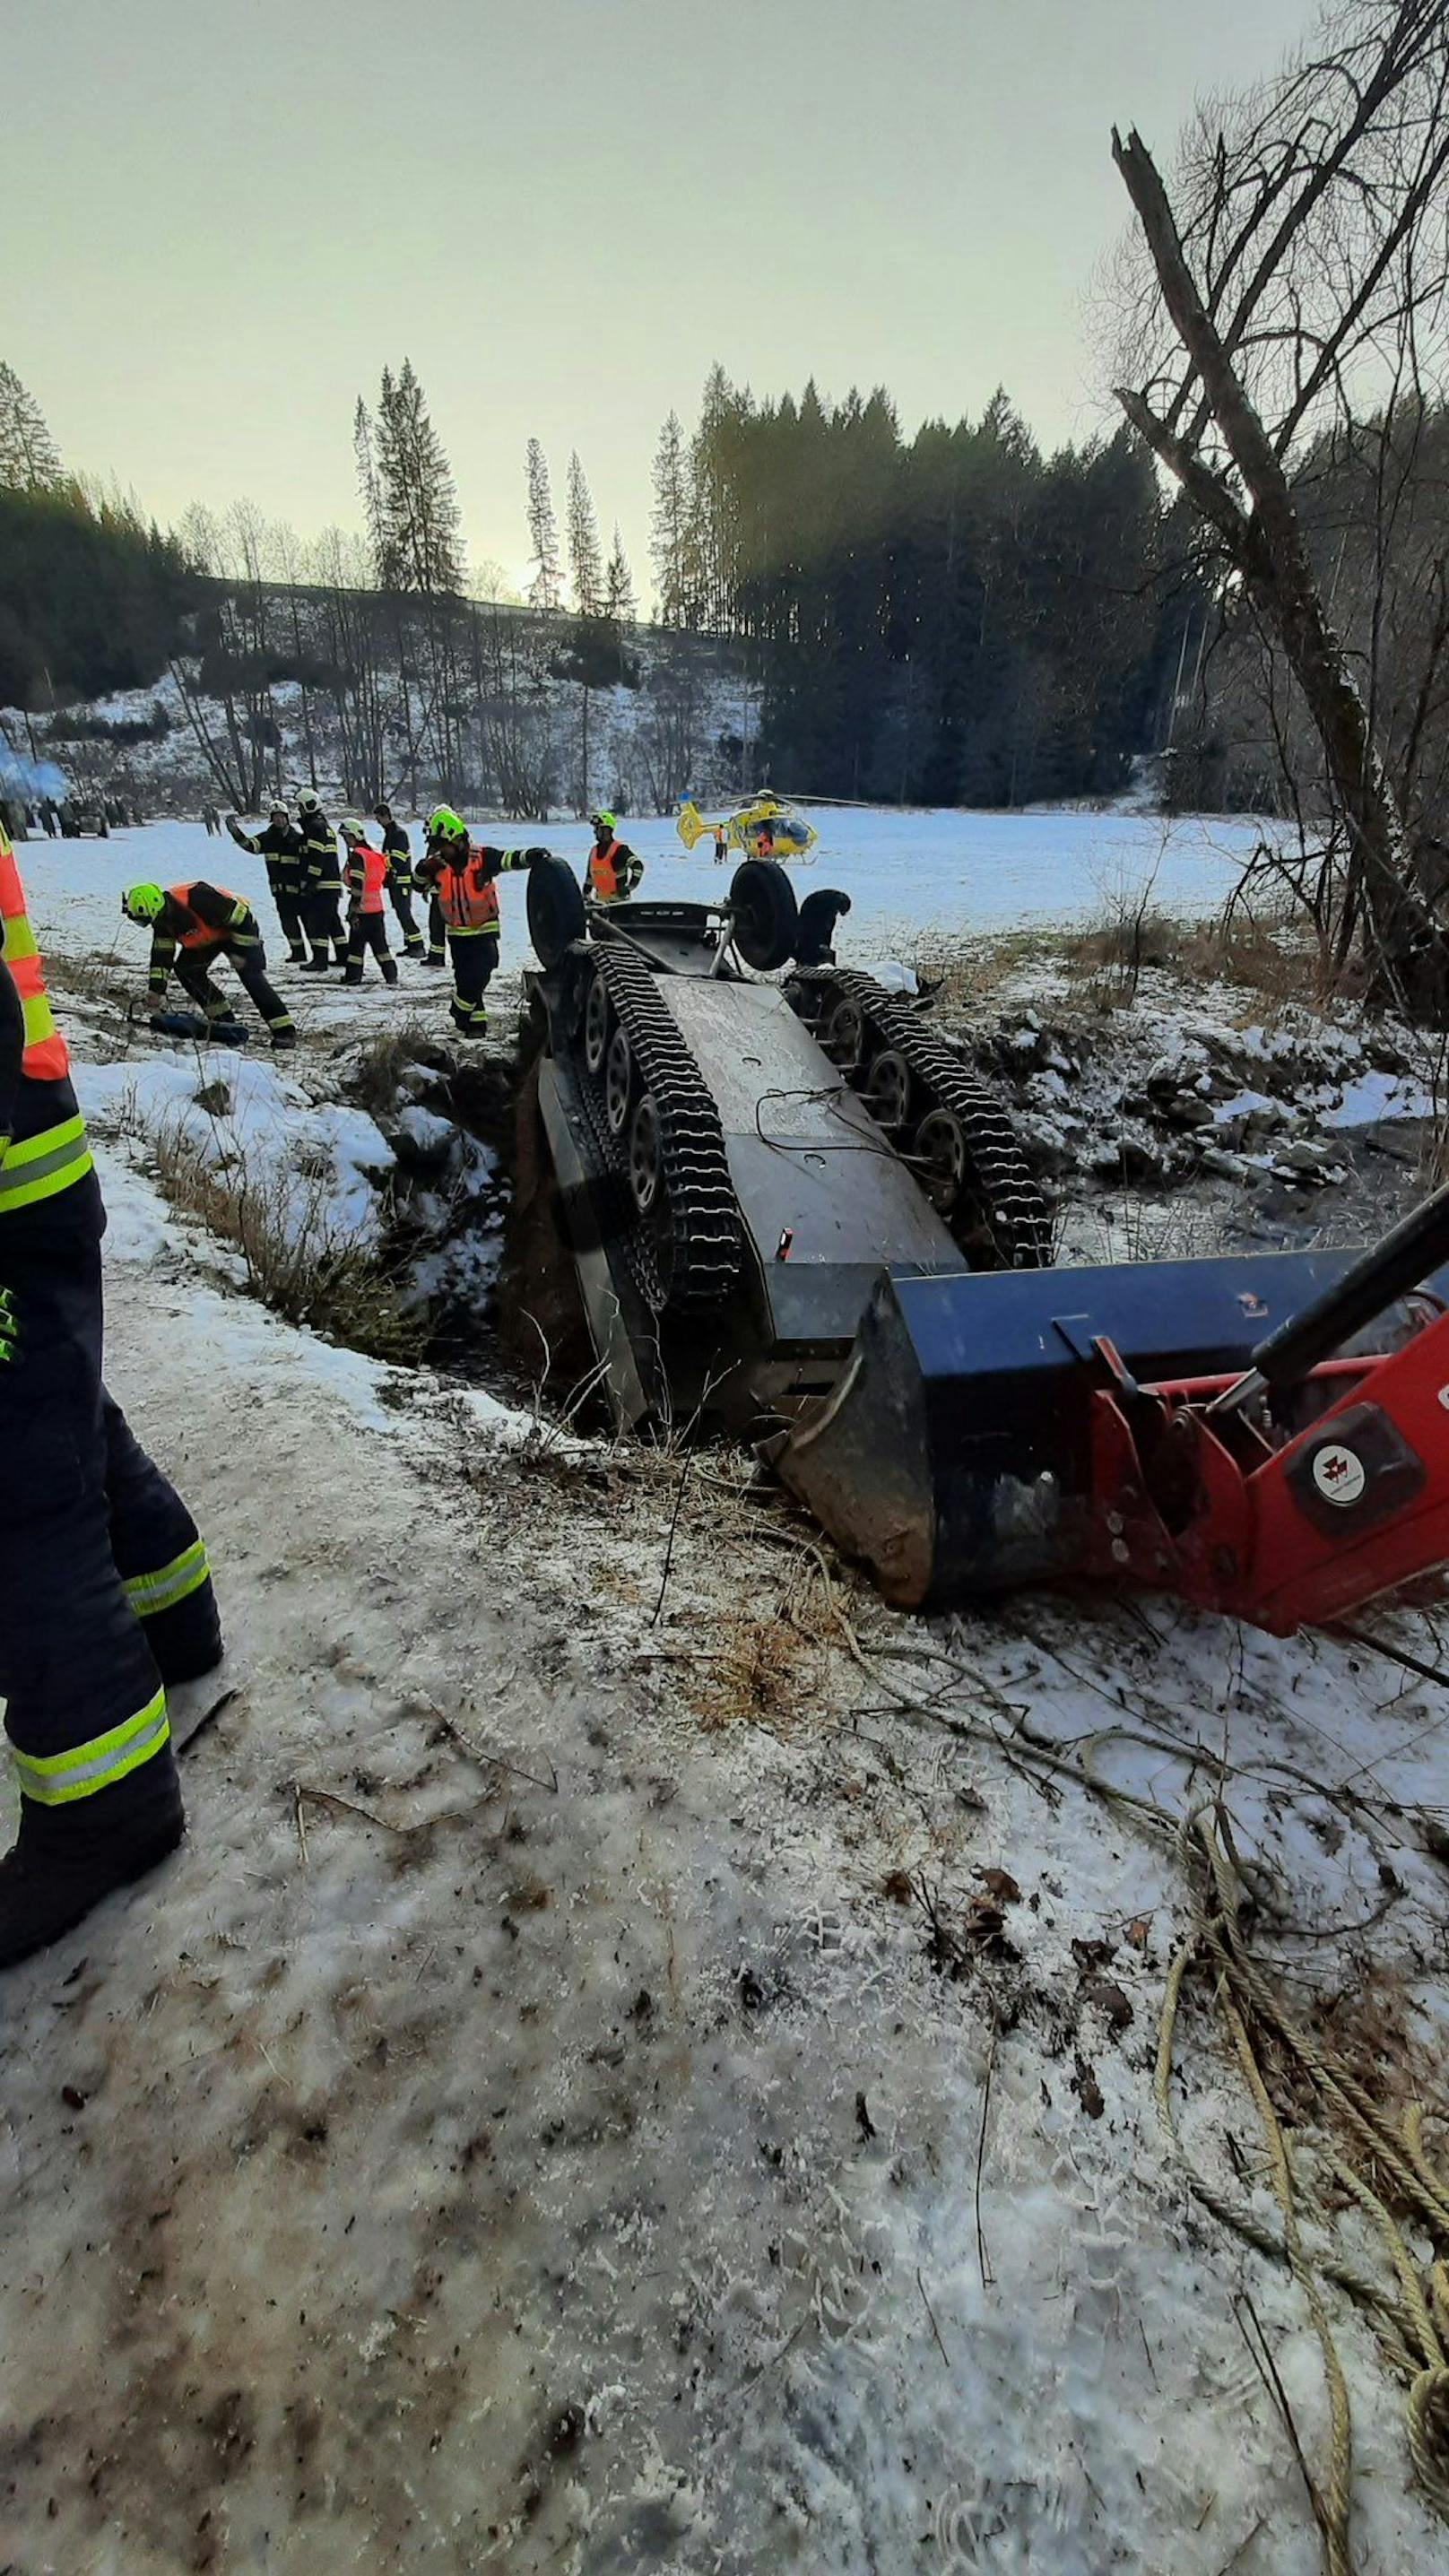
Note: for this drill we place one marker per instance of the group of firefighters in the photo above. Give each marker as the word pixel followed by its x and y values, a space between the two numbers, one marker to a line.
pixel 106 1598
pixel 195 925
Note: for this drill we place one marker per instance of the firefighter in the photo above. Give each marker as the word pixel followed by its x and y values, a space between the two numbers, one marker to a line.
pixel 463 879
pixel 613 871
pixel 366 873
pixel 105 1591
pixel 191 927
pixel 397 849
pixel 322 887
pixel 815 933
pixel 281 847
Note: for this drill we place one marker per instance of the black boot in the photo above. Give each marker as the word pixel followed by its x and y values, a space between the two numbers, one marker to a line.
pixel 65 1859
pixel 316 965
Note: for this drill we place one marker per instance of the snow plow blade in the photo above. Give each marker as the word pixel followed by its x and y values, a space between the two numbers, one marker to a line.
pixel 954 1456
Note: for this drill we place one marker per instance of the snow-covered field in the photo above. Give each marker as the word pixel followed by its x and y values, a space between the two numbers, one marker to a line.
pixel 904 872
pixel 628 2072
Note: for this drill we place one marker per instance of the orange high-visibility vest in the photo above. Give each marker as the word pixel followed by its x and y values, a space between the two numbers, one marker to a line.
pixel 45 1058
pixel 201 934
pixel 604 870
pixel 469 900
pixel 366 876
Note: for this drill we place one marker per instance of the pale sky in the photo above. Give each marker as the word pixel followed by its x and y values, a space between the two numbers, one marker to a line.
pixel 221 218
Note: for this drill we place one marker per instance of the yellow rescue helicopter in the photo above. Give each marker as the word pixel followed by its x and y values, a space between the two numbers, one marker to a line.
pixel 762 829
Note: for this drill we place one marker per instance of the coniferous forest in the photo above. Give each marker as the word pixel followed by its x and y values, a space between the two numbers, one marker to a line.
pixel 953 619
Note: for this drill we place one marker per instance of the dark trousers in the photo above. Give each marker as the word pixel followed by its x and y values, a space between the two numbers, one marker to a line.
pixel 368 930
pixel 437 940
pixel 105 1593
pixel 324 922
pixel 475 954
pixel 401 899
pixel 288 901
pixel 193 974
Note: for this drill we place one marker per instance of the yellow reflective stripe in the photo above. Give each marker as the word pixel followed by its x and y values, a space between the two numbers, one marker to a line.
pixel 35 1011
pixel 56 1779
pixel 186 1573
pixel 41 1165
pixel 20 941
pixel 46 1142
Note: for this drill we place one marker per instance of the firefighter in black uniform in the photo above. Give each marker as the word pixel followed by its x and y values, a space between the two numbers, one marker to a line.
pixel 105 1591
pixel 397 850
pixel 191 927
pixel 281 847
pixel 322 887
pixel 461 876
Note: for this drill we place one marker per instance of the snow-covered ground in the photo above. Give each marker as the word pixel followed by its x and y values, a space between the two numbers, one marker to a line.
pixel 634 2069
pixel 905 873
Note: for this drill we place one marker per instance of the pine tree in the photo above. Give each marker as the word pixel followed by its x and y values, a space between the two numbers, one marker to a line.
pixel 369 487
pixel 585 559
pixel 545 590
pixel 669 529
pixel 421 545
pixel 29 457
pixel 619 601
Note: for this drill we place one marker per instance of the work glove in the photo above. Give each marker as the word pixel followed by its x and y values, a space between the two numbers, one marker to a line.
pixel 235 829
pixel 9 1320
pixel 536 853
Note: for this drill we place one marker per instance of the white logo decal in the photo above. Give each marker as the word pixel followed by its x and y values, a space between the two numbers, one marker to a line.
pixel 1339 1474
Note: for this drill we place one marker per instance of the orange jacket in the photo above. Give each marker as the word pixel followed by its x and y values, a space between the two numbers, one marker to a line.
pixel 367 874
pixel 44 1058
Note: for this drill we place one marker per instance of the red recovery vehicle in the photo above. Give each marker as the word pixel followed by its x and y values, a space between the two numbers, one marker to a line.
pixel 989 1434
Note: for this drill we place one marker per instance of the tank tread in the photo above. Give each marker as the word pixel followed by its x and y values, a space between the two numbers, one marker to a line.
pixel 705 1229
pixel 1002 1199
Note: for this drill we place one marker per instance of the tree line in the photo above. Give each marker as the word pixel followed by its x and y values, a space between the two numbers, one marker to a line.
pixel 953 619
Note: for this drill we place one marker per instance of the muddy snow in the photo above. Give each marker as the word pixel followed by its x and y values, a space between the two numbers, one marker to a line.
pixel 646 2059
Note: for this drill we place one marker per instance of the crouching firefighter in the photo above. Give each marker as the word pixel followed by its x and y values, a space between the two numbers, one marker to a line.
pixel 280 844
pixel 462 878
pixel 105 1593
pixel 191 927
pixel 613 871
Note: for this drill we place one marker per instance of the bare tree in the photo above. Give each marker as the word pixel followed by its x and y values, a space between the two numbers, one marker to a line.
pixel 241 740
pixel 1295 288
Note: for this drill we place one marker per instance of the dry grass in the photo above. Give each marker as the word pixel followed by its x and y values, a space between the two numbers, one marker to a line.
pixel 377 1073
pixel 971 975
pixel 765 1672
pixel 292 1254
pixel 1268 956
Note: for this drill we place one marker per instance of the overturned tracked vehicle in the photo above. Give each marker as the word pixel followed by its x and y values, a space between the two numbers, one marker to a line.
pixel 790 1207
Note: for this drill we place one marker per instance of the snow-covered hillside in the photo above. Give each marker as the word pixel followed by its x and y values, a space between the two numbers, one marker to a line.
pixel 505 706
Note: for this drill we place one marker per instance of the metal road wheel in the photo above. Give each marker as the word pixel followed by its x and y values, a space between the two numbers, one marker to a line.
pixel 598 1016
pixel 619 1082
pixel 646 1157
pixel 941 1153
pixel 766 917
pixel 650 1193
pixel 888 1089
pixel 845 1036
pixel 556 915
